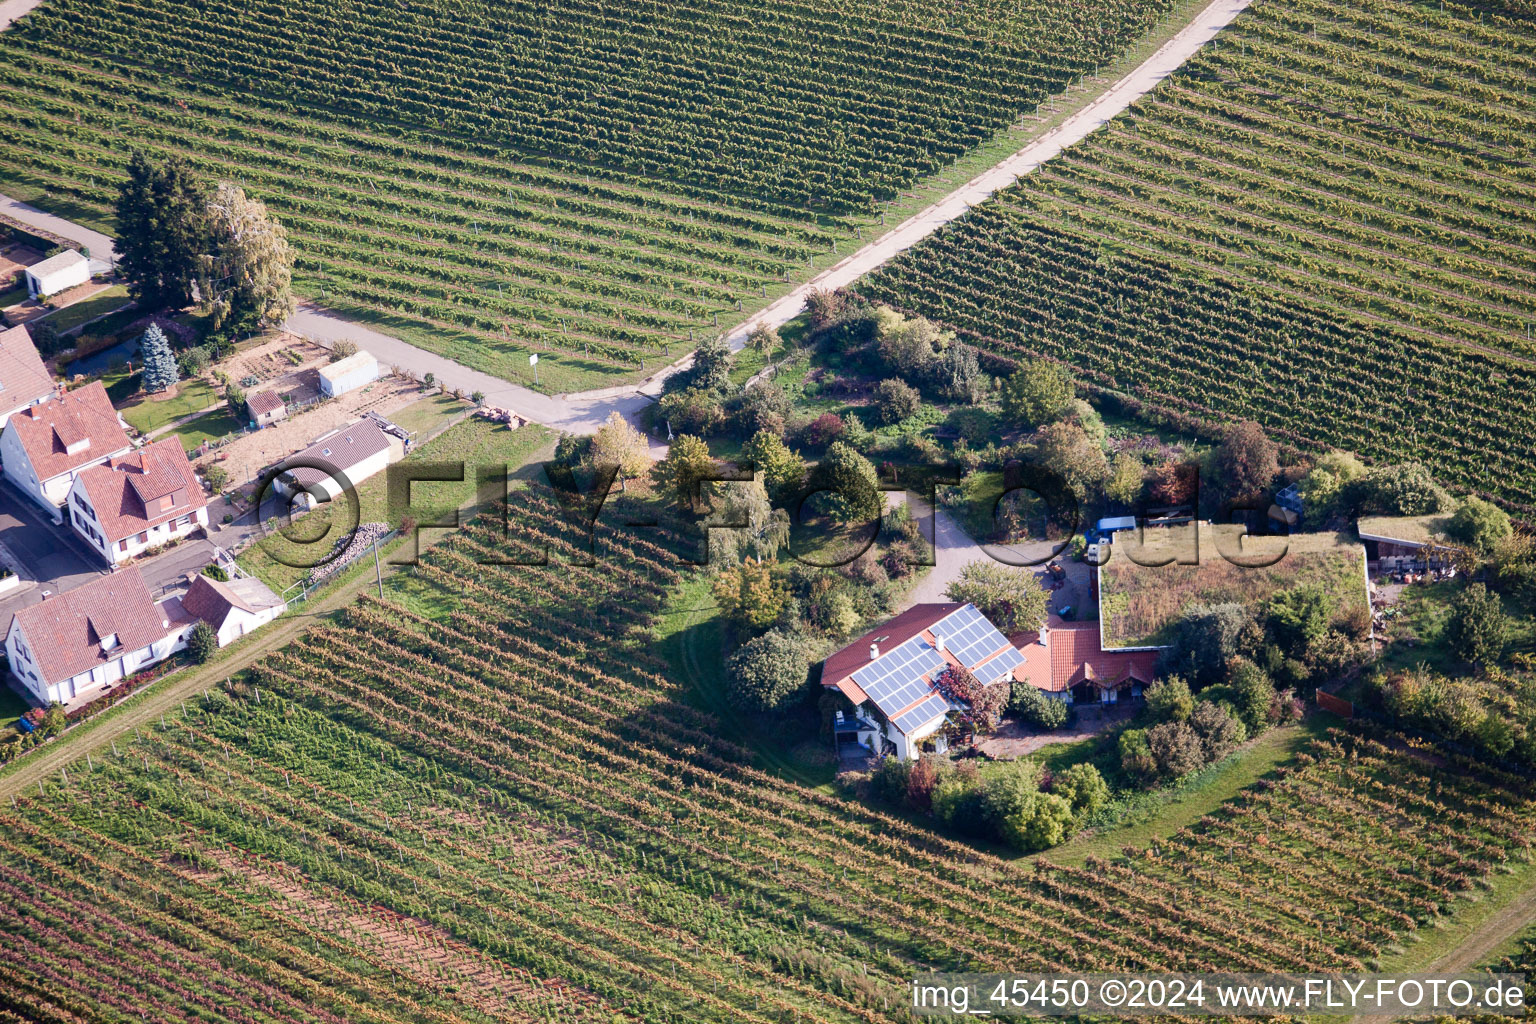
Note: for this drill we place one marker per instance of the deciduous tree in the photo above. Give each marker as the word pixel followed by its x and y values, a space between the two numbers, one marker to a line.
pixel 1010 597
pixel 249 269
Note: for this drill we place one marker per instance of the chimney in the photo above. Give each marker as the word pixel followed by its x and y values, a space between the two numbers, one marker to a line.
pixel 1044 633
pixel 874 651
pixel 938 643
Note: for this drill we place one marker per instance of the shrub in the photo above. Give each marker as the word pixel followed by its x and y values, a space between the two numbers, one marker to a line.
pixel 1219 732
pixel 1478 628
pixel 1136 758
pixel 1176 749
pixel 1480 525
pixel 1083 787
pixel 1298 617
pixel 765 673
pixel 1169 700
pixel 1039 825
pixel 846 486
pixel 342 348
pixel 823 430
pixel 202 643
pixel 216 572
pixel 1034 707
pixel 1253 696
pixel 751 594
pixel 1205 640
pixel 895 400
pixel 1037 393
pixel 217 476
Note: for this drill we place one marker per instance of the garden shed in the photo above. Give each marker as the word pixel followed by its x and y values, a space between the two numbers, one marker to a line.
pixel 348 374
pixel 57 273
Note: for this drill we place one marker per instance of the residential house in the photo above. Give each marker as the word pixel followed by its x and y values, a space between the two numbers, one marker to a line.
pixel 265 408
pixel 356 451
pixel 44 447
pixel 140 500
pixel 24 380
pixel 232 607
pixel 73 646
pixel 348 374
pixel 889 674
pixel 57 274
pixel 1067 661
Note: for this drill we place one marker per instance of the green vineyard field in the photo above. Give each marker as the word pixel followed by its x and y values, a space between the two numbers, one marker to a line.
pixel 1325 221
pixel 479 799
pixel 601 181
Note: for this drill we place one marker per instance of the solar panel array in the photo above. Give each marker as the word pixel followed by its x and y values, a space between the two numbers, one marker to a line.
pixel 896 679
pixel 969 636
pixel 1000 666
pixel 928 709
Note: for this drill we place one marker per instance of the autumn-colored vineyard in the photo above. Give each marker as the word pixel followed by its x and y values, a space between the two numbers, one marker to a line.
pixel 480 799
pixel 1323 222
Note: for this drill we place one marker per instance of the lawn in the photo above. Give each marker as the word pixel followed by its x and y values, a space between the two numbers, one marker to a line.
pixel 12 705
pixel 429 415
pixel 1142 601
pixel 1423 611
pixel 153 411
pixel 470 443
pixel 100 304
pixel 12 297
pixel 206 428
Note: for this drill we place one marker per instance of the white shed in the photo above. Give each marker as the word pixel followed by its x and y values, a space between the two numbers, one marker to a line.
pixel 57 273
pixel 348 374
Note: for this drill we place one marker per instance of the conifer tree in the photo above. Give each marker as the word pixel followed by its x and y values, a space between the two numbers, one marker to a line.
pixel 160 370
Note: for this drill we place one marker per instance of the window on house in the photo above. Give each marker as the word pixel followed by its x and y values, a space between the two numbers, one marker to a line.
pixel 144 537
pixel 122 545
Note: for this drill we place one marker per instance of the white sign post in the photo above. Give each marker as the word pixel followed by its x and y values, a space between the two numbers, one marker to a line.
pixel 533 361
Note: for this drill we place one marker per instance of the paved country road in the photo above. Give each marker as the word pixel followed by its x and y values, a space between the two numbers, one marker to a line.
pixel 585 411
pixel 10 10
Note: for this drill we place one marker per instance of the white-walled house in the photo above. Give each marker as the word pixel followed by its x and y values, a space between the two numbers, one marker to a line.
pixel 234 607
pixel 889 676
pixel 24 380
pixel 73 646
pixel 57 273
pixel 137 501
pixel 44 447
pixel 348 374
pixel 358 451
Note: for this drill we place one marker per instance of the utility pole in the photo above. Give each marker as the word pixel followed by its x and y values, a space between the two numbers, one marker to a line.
pixel 377 571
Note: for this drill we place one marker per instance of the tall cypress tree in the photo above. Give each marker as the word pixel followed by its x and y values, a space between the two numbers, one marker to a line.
pixel 162 227
pixel 160 370
pixel 136 258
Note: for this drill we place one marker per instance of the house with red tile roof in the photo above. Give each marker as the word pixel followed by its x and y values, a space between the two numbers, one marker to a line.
pixel 24 380
pixel 889 676
pixel 44 447
pixel 73 646
pixel 1067 661
pixel 137 501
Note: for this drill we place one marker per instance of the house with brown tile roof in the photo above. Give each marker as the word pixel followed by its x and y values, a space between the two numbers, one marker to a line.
pixel 232 607
pixel 1067 661
pixel 24 380
pixel 73 646
pixel 356 452
pixel 890 673
pixel 265 407
pixel 137 501
pixel 44 447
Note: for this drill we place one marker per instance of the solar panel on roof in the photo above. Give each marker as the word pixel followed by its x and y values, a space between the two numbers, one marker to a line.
pixel 925 712
pixel 896 678
pixel 969 636
pixel 1000 666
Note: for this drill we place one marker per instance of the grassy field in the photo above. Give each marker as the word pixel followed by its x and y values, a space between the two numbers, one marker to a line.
pixel 103 302
pixel 154 411
pixel 211 427
pixel 1141 600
